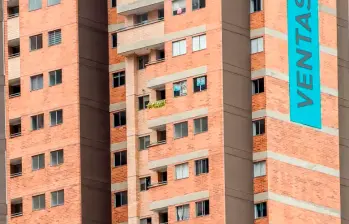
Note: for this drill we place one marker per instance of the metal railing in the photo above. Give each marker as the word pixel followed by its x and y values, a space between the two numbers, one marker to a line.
pixel 16 214
pixel 13 95
pixel 15 55
pixel 140 24
pixel 14 135
pixel 13 15
pixel 16 174
pixel 157 143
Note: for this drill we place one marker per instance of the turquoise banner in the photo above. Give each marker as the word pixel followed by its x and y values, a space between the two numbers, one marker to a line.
pixel 304 62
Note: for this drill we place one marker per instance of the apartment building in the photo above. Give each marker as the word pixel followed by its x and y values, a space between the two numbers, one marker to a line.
pixel 213 111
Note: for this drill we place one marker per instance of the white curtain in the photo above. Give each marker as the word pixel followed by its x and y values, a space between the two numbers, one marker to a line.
pixel 260 44
pixel 176 4
pixel 203 41
pixel 196 43
pixel 180 213
pixel 254 128
pixel 182 47
pixel 185 212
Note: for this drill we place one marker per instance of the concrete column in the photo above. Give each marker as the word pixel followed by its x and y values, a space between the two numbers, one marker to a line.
pixel 132 152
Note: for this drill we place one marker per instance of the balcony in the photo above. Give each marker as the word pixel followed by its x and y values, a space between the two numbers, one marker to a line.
pixel 131 7
pixel 13 27
pixel 14 59
pixel 140 38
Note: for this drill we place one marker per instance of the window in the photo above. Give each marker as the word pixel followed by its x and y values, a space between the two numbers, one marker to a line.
pixel 179 48
pixel 16 167
pixel 114 40
pixel 201 166
pixel 37 122
pixel 38 202
pixel 145 221
pixel 56 117
pixel 200 84
pixel 180 88
pixel 178 7
pixel 54 37
pixel 16 207
pixel 142 18
pixel 15 127
pixel 144 142
pixel 258 127
pixel 199 42
pixel 145 183
pixel 120 198
pixel 37 82
pixel 113 3
pixel 162 176
pixel 161 94
pixel 161 135
pixel 55 77
pixel 160 55
pixel 163 217
pixel 199 4
pixel 143 102
pixel 200 125
pixel 53 2
pixel 119 118
pixel 260 210
pixel 57 198
pixel 182 212
pixel 142 61
pixel 257 45
pixel 120 158
pixel 182 171
pixel 181 130
pixel 14 88
pixel 57 157
pixel 119 79
pixel 35 42
pixel 259 169
pixel 38 162
pixel 13 12
pixel 256 5
pixel 14 51
pixel 202 208
pixel 257 86
pixel 161 14
pixel 34 5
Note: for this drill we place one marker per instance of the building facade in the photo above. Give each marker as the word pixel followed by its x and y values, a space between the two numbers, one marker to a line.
pixel 213 111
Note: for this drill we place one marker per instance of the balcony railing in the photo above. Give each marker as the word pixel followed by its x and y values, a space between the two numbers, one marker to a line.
pixel 13 15
pixel 15 55
pixel 13 95
pixel 14 135
pixel 16 214
pixel 16 174
pixel 144 23
pixel 158 184
pixel 156 104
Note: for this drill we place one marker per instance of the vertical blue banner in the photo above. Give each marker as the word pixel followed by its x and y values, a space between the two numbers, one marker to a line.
pixel 304 62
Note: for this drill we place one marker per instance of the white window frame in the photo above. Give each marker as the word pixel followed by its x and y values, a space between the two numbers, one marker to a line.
pixel 58 159
pixel 182 212
pixel 54 114
pixel 34 5
pixel 59 198
pixel 54 37
pixel 182 171
pixel 53 2
pixel 36 162
pixel 257 45
pixel 179 47
pixel 53 76
pixel 40 200
pixel 199 42
pixel 259 169
pixel 36 82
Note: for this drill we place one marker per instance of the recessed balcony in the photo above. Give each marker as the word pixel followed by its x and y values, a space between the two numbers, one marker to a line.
pixel 14 59
pixel 13 23
pixel 131 7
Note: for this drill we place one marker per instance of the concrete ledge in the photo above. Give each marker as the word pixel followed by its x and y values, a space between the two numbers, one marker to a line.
pixel 295 162
pixel 136 5
pixel 156 205
pixel 117 106
pixel 117 146
pixel 296 203
pixel 177 117
pixel 286 117
pixel 177 159
pixel 153 83
pixel 119 186
pixel 117 67
pixel 159 40
pixel 115 27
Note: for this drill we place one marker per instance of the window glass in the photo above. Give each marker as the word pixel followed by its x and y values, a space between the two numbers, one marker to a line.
pixel 37 82
pixel 258 127
pixel 181 130
pixel 259 169
pixel 200 125
pixel 119 79
pixel 198 4
pixel 257 86
pixel 120 158
pixel 39 202
pixel 54 37
pixel 182 212
pixel 179 48
pixel 38 162
pixel 260 210
pixel 202 208
pixel 34 5
pixel 120 199
pixel 144 142
pixel 200 84
pixel 201 166
pixel 178 7
pixel 57 198
pixel 57 157
pixel 120 118
pixel 182 171
pixel 53 2
pixel 180 88
pixel 55 77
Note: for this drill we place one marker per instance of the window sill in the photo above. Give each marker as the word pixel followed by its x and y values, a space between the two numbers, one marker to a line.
pixel 37 129
pixel 55 125
pixel 193 10
pixel 180 137
pixel 200 133
pixel 32 50
pixel 120 206
pixel 16 215
pixel 256 12
pixel 34 90
pixel 264 175
pixel 193 52
pixel 56 165
pixel 175 56
pixel 182 179
pixel 118 166
pixel 53 4
pixel 33 10
pixel 201 216
pixel 201 174
pixel 14 95
pixel 52 45
pixel 205 90
pixel 121 126
pixel 254 94
pixel 15 135
pixel 55 85
pixel 38 169
pixel 179 96
pixel 39 209
pixel 260 218
pixel 53 206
